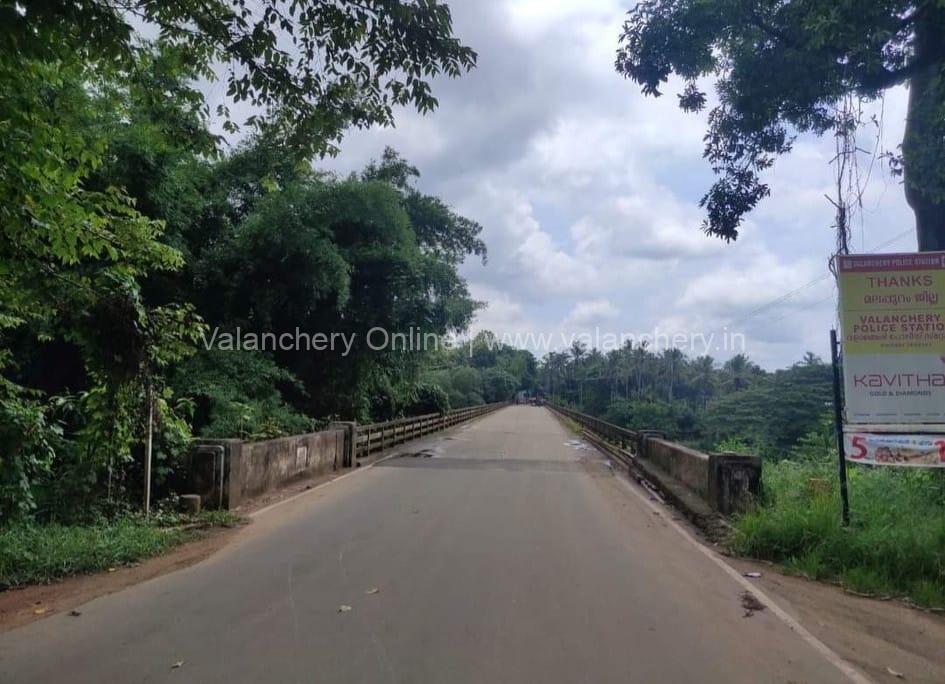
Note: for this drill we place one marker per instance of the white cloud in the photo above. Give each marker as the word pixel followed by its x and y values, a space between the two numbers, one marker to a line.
pixel 588 192
pixel 531 19
pixel 522 256
pixel 651 226
pixel 502 313
pixel 739 288
pixel 590 314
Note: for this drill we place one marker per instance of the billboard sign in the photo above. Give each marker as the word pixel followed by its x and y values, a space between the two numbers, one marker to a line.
pixel 895 449
pixel 892 313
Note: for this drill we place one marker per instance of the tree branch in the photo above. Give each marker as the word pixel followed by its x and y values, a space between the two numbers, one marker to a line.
pixel 889 78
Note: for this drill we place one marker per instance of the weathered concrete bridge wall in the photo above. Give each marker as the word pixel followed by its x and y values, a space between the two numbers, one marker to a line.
pixel 225 472
pixel 246 469
pixel 700 483
pixel 727 482
pixel 266 465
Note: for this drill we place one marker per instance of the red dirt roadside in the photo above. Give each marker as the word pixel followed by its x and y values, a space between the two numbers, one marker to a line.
pixel 884 639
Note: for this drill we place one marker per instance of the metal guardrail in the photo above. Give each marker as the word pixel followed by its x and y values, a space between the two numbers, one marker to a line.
pixel 619 436
pixel 379 436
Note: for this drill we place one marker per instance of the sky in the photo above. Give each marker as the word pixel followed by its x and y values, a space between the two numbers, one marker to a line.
pixel 588 196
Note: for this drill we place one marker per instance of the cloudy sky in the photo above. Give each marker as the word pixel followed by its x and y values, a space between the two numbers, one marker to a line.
pixel 588 194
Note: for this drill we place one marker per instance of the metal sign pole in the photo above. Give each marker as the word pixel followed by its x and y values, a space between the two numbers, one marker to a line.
pixel 838 423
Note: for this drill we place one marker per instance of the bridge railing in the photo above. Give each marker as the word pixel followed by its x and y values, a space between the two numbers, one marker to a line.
pixel 380 436
pixel 726 482
pixel 622 437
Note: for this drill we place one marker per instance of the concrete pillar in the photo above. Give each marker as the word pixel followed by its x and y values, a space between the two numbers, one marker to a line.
pixel 208 458
pixel 349 455
pixel 190 504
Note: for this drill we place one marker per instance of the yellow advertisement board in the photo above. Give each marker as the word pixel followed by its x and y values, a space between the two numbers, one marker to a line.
pixel 892 312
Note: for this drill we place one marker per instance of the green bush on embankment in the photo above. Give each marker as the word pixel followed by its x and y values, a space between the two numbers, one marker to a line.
pixel 31 553
pixel 894 546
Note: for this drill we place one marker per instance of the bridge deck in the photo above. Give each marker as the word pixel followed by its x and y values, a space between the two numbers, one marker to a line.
pixel 502 551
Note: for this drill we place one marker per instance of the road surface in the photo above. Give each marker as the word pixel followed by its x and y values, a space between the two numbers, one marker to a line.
pixel 503 552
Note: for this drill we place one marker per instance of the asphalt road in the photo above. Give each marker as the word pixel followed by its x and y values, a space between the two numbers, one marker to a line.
pixel 503 553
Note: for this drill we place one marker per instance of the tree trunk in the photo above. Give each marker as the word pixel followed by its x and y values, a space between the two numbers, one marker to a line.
pixel 923 146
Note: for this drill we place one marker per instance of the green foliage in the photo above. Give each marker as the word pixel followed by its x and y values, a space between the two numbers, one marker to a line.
pixel 465 387
pixel 238 395
pixel 775 411
pixel 693 400
pixel 28 443
pixel 281 263
pixel 119 222
pixel 470 376
pixel 438 228
pixel 735 445
pixel 316 68
pixel 34 554
pixel 122 227
pixel 781 68
pixel 343 257
pixel 424 397
pixel 498 385
pixel 894 546
pixel 675 419
pixel 819 443
pixel 78 343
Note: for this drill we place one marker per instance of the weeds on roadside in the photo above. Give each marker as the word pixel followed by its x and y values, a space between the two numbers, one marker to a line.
pixel 33 553
pixel 894 546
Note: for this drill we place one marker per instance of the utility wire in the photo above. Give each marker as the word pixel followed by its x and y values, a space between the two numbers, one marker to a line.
pixel 783 298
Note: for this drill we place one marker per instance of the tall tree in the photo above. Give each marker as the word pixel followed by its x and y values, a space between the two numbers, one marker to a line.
pixel 703 377
pixel 73 246
pixel 307 69
pixel 780 67
pixel 739 371
pixel 105 144
pixel 672 361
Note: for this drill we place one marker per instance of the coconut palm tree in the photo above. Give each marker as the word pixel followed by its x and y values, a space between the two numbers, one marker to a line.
pixel 739 371
pixel 672 363
pixel 703 377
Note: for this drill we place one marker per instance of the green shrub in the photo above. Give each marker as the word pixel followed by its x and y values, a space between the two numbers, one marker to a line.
pixel 895 544
pixel 33 554
pixel 677 419
pixel 240 394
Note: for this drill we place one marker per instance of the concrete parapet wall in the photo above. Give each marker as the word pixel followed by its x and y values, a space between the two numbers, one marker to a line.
pixel 734 481
pixel 728 482
pixel 224 472
pixel 687 465
pixel 268 464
